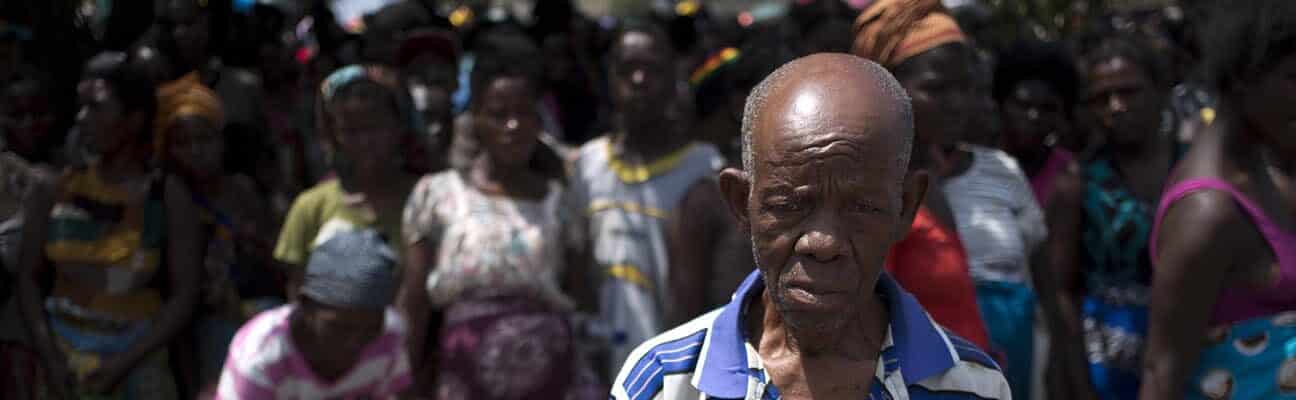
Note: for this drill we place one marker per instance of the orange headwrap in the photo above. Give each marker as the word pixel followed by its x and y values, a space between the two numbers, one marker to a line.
pixel 182 98
pixel 891 31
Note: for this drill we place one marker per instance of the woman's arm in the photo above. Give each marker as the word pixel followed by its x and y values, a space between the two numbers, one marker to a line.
pixel 1198 239
pixel 412 299
pixel 1058 281
pixel 421 237
pixel 36 210
pixel 184 270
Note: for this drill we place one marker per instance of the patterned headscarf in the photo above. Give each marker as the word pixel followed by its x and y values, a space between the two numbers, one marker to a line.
pixel 891 31
pixel 184 97
pixel 383 76
pixel 352 269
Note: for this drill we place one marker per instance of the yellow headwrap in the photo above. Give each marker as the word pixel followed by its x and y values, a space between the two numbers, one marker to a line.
pixel 184 97
pixel 891 31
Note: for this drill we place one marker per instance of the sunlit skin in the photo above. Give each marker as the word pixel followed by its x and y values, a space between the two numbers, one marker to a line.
pixel 1206 243
pixel 827 197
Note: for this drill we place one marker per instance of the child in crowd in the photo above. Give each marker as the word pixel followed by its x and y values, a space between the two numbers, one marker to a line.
pixel 341 339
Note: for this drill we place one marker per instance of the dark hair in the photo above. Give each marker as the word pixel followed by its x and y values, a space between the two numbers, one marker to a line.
pixel 505 54
pixel 1244 40
pixel 647 27
pixel 833 35
pixel 1133 49
pixel 1029 60
pixel 129 84
pixel 757 58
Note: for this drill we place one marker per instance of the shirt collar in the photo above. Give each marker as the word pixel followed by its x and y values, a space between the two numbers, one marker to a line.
pixel 920 346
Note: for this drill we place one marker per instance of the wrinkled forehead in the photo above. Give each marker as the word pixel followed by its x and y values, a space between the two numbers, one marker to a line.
pixel 819 120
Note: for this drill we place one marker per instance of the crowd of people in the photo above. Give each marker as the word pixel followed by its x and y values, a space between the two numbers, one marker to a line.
pixel 227 199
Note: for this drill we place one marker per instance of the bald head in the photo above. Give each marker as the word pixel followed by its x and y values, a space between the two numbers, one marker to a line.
pixel 820 88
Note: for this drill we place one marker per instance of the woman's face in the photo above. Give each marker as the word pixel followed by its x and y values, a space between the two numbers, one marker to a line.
pixel 1125 100
pixel 367 133
pixel 348 331
pixel 101 118
pixel 1032 112
pixel 196 146
pixel 1267 107
pixel 941 87
pixel 508 124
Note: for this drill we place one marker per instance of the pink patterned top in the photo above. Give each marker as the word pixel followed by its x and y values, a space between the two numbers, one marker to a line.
pixel 264 363
pixel 1045 179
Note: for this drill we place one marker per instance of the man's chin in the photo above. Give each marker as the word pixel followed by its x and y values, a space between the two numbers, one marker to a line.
pixel 809 316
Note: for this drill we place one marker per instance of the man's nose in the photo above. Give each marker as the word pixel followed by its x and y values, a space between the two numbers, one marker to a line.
pixel 820 245
pixel 638 77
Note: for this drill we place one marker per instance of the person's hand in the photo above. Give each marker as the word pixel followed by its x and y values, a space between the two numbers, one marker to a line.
pixel 105 378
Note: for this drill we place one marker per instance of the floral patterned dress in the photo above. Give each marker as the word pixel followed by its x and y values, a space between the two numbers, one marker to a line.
pixel 498 263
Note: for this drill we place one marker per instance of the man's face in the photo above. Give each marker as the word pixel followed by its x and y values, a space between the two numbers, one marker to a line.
pixel 826 201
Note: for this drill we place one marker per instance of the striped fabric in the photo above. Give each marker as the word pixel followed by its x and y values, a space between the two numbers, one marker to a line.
pixel 625 208
pixel 106 241
pixel 263 363
pixel 709 358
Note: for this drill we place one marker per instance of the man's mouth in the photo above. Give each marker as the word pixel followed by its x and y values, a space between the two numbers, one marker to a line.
pixel 811 297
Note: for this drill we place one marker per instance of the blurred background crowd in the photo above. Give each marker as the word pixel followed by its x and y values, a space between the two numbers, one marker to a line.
pixel 543 172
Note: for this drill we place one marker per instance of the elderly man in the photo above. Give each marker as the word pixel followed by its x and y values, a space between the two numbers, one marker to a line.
pixel 825 190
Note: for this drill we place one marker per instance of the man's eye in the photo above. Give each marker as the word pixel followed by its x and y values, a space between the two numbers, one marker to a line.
pixel 782 205
pixel 866 208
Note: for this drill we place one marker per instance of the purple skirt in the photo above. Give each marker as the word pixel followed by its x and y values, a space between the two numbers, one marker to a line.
pixel 505 347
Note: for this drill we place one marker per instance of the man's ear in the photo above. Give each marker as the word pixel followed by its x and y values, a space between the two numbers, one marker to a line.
pixel 915 192
pixel 735 186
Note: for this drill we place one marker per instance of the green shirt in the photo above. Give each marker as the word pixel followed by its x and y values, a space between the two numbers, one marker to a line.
pixel 323 211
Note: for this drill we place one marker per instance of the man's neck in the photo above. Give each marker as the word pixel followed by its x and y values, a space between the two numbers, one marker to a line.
pixel 828 366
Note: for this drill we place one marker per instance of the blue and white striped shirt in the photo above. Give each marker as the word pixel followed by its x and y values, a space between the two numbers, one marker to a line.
pixel 709 358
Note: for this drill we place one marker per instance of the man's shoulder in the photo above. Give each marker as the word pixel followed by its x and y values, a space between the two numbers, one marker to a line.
pixel 676 353
pixel 975 375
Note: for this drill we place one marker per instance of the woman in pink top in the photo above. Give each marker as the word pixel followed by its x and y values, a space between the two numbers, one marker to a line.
pixel 341 340
pixel 1224 247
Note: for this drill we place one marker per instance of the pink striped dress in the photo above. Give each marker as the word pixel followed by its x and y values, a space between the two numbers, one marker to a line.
pixel 264 363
